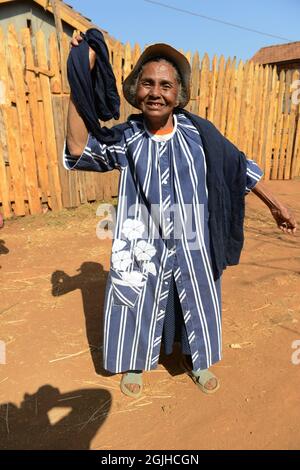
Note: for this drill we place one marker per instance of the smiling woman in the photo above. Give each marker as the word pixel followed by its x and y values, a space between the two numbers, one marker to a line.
pixel 171 57
pixel 157 94
pixel 179 222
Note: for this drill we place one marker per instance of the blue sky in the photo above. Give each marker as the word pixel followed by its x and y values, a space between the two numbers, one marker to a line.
pixel 146 23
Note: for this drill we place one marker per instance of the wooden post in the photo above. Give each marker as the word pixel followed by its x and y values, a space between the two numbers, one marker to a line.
pixel 16 170
pixel 55 187
pixel 58 26
pixel 60 40
pixel 37 131
pixel 195 83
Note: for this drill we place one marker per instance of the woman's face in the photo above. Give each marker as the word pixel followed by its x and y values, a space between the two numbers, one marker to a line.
pixel 157 93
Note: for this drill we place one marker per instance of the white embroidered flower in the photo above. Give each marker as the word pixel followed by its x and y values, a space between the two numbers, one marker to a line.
pixel 118 245
pixel 151 268
pixel 134 278
pixel 144 251
pixel 121 260
pixel 133 229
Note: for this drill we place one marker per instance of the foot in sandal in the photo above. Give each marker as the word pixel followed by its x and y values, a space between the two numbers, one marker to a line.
pixel 132 383
pixel 204 379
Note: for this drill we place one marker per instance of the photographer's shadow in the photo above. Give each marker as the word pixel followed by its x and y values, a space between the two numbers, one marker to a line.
pixel 49 420
pixel 91 280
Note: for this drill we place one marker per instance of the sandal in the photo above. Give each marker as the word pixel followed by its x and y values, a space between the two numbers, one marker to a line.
pixel 201 377
pixel 131 378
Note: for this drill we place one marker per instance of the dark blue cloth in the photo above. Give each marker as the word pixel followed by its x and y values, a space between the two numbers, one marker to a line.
pixel 226 183
pixel 94 92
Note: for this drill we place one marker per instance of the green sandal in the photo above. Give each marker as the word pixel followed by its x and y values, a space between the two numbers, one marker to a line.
pixel 132 378
pixel 201 377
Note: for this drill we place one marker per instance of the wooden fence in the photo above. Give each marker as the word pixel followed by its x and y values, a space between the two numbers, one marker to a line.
pixel 250 104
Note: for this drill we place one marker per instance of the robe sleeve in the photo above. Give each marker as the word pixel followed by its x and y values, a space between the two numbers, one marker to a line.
pixel 254 174
pixel 96 156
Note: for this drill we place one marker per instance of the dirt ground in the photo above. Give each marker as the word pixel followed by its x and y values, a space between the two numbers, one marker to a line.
pixel 53 391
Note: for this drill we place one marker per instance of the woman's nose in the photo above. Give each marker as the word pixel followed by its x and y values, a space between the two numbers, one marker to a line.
pixel 155 91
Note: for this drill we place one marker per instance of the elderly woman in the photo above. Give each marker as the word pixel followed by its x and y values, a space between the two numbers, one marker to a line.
pixel 179 222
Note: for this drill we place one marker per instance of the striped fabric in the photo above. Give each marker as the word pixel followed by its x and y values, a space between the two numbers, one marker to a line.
pixel 170 237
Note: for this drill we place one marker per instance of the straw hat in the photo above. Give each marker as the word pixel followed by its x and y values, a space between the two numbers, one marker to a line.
pixel 171 54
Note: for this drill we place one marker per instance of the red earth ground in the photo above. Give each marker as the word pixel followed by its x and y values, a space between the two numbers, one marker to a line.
pixel 54 393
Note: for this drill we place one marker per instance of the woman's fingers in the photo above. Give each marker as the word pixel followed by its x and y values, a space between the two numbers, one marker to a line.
pixel 285 219
pixel 288 224
pixel 76 40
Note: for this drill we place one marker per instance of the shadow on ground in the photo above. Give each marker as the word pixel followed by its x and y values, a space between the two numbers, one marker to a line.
pixel 91 281
pixel 54 421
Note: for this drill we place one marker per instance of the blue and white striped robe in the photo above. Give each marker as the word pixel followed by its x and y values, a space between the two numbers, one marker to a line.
pixel 147 249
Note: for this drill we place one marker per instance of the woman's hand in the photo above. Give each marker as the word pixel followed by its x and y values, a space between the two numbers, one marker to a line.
pixel 284 219
pixel 92 54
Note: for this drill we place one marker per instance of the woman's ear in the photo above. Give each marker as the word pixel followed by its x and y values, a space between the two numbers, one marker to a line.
pixel 178 96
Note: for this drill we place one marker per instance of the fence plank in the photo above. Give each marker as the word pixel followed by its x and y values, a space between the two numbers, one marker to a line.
pixel 252 111
pixel 4 154
pixel 90 188
pixel 99 184
pixel 245 110
pixel 195 83
pixel 293 108
pixel 60 138
pixel 117 65
pixel 4 189
pixel 257 109
pixel 55 189
pixel 204 87
pixel 212 88
pixel 16 179
pixel 224 103
pixel 270 124
pixel 249 110
pixel 277 148
pixel 296 155
pixel 55 81
pixel 290 146
pixel 38 137
pixel 72 178
pixel 238 100
pixel 262 131
pixel 231 101
pixel 65 48
pixel 219 93
pixel 283 145
pixel 278 125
